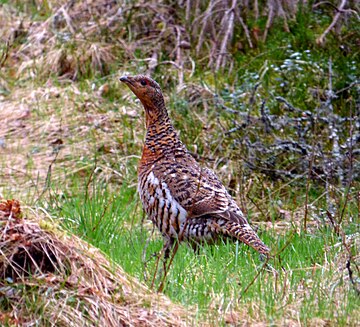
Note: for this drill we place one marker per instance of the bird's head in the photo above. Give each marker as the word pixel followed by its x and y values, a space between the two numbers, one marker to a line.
pixel 150 95
pixel 146 89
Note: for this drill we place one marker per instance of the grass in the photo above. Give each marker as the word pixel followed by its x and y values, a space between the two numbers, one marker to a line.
pixel 71 137
pixel 306 275
pixel 53 278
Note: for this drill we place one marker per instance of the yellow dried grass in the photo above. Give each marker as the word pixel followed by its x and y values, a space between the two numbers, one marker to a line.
pixel 70 282
pixel 60 129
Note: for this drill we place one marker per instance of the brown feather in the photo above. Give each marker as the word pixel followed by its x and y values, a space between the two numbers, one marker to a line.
pixel 183 199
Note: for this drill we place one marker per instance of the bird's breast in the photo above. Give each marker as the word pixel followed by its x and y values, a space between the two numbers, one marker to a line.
pixel 160 206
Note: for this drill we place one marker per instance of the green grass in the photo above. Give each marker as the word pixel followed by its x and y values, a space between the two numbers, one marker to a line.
pixel 304 276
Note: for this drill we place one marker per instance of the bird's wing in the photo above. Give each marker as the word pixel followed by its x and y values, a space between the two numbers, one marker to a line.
pixel 199 191
pixel 220 200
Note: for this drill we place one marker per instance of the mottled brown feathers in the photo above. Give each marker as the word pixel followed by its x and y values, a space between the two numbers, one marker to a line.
pixel 184 200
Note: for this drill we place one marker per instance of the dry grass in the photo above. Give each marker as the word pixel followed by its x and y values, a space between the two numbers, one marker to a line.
pixel 48 276
pixel 44 135
pixel 77 38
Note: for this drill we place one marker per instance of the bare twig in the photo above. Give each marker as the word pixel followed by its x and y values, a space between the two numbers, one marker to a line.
pixel 246 30
pixel 320 40
pixel 271 15
pixel 153 63
pixel 67 19
pixel 334 224
pixel 188 10
pixel 351 11
pixel 256 10
pixel 5 54
pixel 333 164
pixel 351 85
pixel 48 177
pixel 205 20
pixel 179 60
pixel 265 265
pixel 229 20
pixel 350 272
pixel 282 13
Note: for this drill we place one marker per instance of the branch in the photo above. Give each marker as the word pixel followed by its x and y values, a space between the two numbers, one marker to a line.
pixel 246 30
pixel 321 39
pixel 269 20
pixel 351 11
pixel 353 282
pixel 229 16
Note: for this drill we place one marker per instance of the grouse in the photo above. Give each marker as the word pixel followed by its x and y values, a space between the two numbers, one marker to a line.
pixel 186 201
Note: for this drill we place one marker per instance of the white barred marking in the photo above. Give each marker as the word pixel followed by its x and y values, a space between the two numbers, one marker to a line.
pixel 152 179
pixel 170 208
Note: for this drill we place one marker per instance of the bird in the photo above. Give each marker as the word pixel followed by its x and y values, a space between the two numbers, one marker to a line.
pixel 186 201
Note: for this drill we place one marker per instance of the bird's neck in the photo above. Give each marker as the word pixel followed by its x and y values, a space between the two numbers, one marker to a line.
pixel 161 136
pixel 156 116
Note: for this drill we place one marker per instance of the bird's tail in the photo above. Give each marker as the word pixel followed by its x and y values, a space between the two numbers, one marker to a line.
pixel 245 234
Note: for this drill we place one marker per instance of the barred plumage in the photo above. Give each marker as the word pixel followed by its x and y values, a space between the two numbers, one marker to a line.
pixel 184 200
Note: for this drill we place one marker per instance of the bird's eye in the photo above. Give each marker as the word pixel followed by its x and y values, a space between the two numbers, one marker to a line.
pixel 143 82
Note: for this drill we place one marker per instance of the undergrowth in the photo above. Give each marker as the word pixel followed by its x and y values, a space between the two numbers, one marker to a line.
pixel 306 271
pixel 278 122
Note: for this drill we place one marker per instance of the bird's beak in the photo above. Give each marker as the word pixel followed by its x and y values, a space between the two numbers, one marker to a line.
pixel 126 80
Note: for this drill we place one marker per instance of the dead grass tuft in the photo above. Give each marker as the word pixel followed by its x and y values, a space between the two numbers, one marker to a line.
pixel 68 281
pixel 79 38
pixel 49 134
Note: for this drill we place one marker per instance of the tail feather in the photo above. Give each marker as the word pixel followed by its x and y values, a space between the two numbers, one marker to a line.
pixel 245 234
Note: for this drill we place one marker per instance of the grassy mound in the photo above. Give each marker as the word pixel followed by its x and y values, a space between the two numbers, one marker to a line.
pixel 49 277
